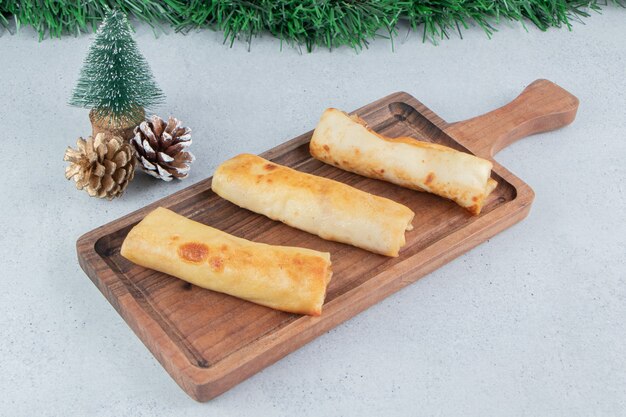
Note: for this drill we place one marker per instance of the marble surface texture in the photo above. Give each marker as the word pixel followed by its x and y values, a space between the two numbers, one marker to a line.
pixel 530 323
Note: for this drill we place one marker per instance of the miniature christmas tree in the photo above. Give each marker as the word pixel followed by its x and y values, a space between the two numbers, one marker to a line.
pixel 115 81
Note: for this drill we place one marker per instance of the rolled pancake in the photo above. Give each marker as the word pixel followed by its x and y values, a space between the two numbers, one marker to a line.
pixel 285 278
pixel 347 143
pixel 327 208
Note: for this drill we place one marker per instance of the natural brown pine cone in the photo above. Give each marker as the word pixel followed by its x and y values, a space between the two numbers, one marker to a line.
pixel 161 148
pixel 102 166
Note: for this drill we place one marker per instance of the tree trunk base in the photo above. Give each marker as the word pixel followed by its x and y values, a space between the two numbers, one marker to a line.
pixel 103 125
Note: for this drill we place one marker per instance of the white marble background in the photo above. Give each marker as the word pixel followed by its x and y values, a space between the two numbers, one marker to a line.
pixel 531 323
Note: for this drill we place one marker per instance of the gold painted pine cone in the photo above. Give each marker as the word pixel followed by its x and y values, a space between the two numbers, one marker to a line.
pixel 101 166
pixel 161 148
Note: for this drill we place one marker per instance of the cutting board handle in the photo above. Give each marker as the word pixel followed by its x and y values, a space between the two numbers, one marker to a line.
pixel 541 107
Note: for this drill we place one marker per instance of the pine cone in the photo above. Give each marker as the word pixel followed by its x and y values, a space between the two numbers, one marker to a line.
pixel 103 166
pixel 161 148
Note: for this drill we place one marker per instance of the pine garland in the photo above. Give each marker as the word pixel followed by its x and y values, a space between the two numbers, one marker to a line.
pixel 308 23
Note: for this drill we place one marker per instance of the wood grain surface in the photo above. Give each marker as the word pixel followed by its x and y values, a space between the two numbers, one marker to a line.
pixel 209 342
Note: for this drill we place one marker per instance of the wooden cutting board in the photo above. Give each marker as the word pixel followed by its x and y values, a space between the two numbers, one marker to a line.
pixel 209 342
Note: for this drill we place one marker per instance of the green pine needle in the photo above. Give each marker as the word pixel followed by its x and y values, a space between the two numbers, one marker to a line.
pixel 308 23
pixel 116 81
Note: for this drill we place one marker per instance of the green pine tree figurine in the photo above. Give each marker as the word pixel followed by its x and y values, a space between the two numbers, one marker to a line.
pixel 115 81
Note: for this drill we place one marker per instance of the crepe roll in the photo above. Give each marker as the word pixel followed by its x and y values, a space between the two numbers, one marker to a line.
pixel 285 278
pixel 347 143
pixel 327 208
